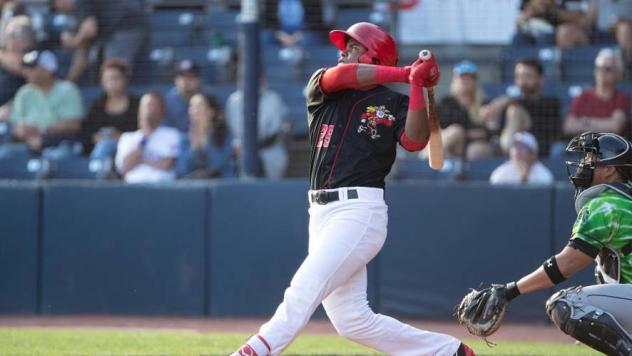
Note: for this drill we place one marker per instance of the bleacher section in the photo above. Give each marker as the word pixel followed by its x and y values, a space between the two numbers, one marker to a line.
pixel 209 37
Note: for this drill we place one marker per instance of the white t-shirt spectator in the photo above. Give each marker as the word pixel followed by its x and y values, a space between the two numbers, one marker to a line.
pixel 507 173
pixel 162 143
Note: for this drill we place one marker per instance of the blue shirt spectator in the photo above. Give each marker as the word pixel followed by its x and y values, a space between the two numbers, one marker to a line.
pixel 207 150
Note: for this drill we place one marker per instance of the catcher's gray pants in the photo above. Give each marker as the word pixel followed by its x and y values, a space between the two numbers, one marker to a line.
pixel 343 237
pixel 604 309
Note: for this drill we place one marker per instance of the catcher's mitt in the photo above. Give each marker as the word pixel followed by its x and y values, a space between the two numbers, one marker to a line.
pixel 483 311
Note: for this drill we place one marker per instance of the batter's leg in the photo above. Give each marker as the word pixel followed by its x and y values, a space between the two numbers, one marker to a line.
pixel 347 240
pixel 349 311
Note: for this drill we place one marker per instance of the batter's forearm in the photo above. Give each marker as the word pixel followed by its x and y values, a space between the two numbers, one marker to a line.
pixel 417 126
pixel 356 76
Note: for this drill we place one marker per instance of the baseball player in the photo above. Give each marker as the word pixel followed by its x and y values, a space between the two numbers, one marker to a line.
pixel 599 316
pixel 355 124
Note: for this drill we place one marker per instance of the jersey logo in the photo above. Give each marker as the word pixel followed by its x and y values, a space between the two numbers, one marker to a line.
pixel 373 117
pixel 324 138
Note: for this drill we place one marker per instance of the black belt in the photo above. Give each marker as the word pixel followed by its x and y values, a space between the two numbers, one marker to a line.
pixel 323 197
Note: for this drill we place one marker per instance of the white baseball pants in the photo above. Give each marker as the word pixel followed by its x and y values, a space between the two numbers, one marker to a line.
pixel 343 237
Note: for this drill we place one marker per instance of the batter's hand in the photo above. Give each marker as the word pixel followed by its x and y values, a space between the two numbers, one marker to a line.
pixel 425 73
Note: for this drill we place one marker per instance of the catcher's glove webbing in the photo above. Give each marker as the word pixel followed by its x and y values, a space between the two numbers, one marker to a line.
pixel 483 311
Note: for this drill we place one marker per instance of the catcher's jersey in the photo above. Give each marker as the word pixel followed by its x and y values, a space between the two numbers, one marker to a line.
pixel 605 222
pixel 353 134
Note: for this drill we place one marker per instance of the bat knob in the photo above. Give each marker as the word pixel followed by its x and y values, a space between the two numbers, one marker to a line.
pixel 425 55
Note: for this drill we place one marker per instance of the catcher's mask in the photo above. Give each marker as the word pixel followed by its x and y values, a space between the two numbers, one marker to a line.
pixel 381 49
pixel 595 150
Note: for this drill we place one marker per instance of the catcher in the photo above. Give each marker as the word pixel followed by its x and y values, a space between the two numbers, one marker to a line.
pixel 599 316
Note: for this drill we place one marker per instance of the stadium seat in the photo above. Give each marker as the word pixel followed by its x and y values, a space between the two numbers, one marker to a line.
pixel 494 90
pixel 23 167
pixel 64 58
pixel 566 93
pixel 549 57
pixel 79 168
pixel 578 64
pixel 154 65
pixel 89 93
pixel 481 169
pixel 415 168
pixel 557 166
pixel 141 89
pixel 347 17
pixel 226 21
pixel 162 20
pixel 174 37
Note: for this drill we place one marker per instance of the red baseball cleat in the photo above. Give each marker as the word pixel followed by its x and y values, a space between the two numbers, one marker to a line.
pixel 245 350
pixel 464 350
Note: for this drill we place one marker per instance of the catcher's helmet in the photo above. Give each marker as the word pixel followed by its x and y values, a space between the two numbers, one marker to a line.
pixel 381 49
pixel 596 149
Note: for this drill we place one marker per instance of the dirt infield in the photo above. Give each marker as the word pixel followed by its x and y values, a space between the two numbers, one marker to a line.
pixel 523 332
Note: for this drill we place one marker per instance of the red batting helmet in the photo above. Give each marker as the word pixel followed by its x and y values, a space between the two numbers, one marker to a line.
pixel 381 49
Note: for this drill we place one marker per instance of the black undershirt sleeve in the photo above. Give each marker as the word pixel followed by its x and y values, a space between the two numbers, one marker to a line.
pixel 584 247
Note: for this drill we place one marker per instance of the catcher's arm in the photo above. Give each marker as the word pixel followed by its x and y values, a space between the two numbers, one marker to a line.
pixel 569 261
pixel 482 312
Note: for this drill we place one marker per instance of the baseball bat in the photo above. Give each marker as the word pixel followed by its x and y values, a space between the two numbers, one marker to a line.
pixel 435 144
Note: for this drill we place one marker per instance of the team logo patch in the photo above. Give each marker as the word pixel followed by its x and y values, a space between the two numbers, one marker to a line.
pixel 373 117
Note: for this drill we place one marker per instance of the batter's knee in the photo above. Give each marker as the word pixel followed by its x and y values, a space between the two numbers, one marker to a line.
pixel 351 323
pixel 571 312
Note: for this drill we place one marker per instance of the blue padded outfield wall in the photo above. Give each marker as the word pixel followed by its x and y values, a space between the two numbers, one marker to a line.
pixel 229 248
pixel 19 230
pixel 446 238
pixel 123 249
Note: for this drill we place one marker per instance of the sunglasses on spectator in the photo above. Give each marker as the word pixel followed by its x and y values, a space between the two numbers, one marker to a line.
pixel 607 69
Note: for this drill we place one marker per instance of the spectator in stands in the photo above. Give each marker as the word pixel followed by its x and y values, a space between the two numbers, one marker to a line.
pixel 148 154
pixel 548 22
pixel 603 108
pixel 523 166
pixel 527 109
pixel 8 10
pixel 464 131
pixel 614 17
pixel 118 26
pixel 19 38
pixel 114 112
pixel 46 110
pixel 187 82
pixel 271 124
pixel 207 150
pixel 290 15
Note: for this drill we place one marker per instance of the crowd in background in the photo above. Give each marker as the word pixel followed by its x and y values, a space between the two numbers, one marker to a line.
pixel 183 133
pixel 527 124
pixel 187 133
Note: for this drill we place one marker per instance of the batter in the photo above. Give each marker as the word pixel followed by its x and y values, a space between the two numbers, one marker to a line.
pixel 355 124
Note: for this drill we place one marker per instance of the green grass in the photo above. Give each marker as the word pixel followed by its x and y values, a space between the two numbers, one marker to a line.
pixel 43 341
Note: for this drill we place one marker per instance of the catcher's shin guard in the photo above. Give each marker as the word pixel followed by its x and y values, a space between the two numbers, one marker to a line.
pixel 569 310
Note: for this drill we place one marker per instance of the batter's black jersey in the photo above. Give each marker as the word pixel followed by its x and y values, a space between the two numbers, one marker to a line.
pixel 353 134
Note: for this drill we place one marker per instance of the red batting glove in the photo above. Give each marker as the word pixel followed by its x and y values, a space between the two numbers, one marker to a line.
pixel 425 74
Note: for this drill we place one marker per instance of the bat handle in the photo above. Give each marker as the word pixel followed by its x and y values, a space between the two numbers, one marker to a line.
pixel 425 55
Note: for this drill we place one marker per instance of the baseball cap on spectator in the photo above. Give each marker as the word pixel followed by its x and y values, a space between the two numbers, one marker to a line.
pixel 187 67
pixel 526 139
pixel 44 59
pixel 465 67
